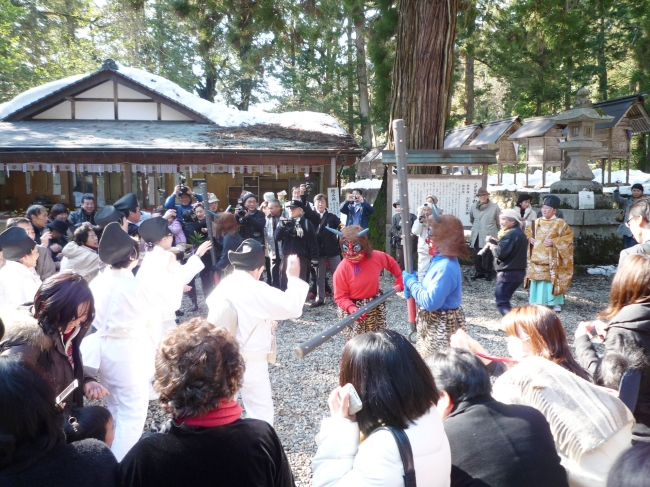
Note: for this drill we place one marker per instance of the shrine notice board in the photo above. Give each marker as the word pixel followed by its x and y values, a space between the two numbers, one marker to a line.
pixel 455 194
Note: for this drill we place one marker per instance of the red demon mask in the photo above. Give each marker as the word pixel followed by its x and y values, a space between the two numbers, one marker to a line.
pixel 353 251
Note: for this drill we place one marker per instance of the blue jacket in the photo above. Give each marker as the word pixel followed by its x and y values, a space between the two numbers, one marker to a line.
pixel 169 204
pixel 361 215
pixel 441 288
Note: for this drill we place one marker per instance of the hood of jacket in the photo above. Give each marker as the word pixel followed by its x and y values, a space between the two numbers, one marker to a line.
pixel 20 326
pixel 633 317
pixel 74 251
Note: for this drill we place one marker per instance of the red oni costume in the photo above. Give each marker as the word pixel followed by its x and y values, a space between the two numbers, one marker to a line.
pixel 356 281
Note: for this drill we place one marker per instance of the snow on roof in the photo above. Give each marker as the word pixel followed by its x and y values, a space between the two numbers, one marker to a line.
pixel 364 184
pixel 219 113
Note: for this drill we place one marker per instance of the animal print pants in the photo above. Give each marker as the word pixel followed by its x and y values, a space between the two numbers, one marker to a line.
pixel 375 321
pixel 435 327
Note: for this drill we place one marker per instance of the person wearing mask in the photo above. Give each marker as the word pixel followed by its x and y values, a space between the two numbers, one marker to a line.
pixel 257 307
pixel 130 206
pixel 33 450
pixel 37 216
pixel 45 266
pixel 396 233
pixel 298 237
pixel 123 348
pixel 550 262
pixel 80 255
pixel 398 395
pixel 492 443
pixel 440 293
pixel 85 213
pixel 18 278
pixel 49 335
pixel 328 244
pixel 185 195
pixel 206 439
pixel 356 281
pixel 254 221
pixel 484 216
pixel 625 324
pixel 421 229
pixel 273 247
pixel 510 251
pixel 638 222
pixel 59 230
pixel 526 213
pixel 625 203
pixel 356 209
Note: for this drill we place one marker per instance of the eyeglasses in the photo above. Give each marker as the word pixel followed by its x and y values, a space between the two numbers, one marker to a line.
pixel 627 223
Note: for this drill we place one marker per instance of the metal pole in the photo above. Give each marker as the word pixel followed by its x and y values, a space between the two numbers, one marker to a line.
pixel 313 343
pixel 208 221
pixel 402 188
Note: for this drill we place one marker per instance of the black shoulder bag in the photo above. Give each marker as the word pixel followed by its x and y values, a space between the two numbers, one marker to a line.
pixel 404 447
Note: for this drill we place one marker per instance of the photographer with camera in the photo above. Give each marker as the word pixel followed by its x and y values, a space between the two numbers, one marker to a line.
pixel 396 234
pixel 298 236
pixel 356 209
pixel 510 251
pixel 251 219
pixel 185 195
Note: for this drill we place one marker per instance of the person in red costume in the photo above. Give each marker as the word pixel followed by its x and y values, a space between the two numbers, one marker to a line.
pixel 356 281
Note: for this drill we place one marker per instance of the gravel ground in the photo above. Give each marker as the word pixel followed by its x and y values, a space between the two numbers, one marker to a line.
pixel 301 387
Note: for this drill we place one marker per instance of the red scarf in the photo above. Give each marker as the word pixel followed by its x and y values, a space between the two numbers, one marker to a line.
pixel 225 413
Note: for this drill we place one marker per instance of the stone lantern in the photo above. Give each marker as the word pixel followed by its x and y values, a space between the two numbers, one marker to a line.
pixel 579 144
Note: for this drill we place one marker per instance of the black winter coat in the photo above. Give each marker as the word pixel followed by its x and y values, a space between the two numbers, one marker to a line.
pixel 85 463
pixel 245 453
pixel 630 327
pixel 328 242
pixel 253 226
pixel 511 253
pixel 501 445
pixel 305 246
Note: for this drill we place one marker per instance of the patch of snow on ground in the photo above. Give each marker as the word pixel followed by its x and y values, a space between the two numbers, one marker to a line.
pixel 364 184
pixel 602 270
pixel 36 93
pixel 535 180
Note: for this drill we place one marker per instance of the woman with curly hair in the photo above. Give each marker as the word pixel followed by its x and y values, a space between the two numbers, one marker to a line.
pixel 440 293
pixel 198 372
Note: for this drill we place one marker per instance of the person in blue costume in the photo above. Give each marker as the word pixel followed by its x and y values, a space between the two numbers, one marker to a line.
pixel 439 295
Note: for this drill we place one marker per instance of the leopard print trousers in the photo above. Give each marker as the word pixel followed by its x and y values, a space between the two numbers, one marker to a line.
pixel 435 327
pixel 375 321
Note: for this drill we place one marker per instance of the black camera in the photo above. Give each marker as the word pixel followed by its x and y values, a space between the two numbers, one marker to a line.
pixel 240 212
pixel 308 184
pixel 288 222
pixel 182 180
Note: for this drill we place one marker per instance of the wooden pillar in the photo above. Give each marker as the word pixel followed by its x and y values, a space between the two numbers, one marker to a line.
pixel 526 171
pixel 126 178
pixel 609 170
pixel 514 171
pixel 543 174
pixel 602 172
pixel 627 170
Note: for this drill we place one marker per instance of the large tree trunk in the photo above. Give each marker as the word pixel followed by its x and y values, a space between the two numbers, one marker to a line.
pixel 469 89
pixel 424 61
pixel 350 72
pixel 600 53
pixel 362 79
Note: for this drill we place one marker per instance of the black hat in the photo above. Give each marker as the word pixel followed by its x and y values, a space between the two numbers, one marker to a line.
pixel 107 215
pixel 15 243
pixel 396 203
pixel 115 245
pixel 296 204
pixel 637 186
pixel 248 257
pixel 59 226
pixel 126 202
pixel 552 201
pixel 154 229
pixel 246 196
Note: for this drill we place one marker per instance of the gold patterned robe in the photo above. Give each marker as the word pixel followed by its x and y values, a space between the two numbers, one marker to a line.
pixel 553 264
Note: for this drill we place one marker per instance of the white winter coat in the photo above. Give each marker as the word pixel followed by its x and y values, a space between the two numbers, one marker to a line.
pixel 342 461
pixel 81 259
pixel 529 217
pixel 421 230
pixel 18 284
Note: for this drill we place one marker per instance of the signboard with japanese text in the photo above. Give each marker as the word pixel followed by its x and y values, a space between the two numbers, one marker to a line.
pixel 333 201
pixel 455 195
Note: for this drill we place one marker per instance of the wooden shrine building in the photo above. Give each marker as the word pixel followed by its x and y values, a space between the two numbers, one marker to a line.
pixel 121 130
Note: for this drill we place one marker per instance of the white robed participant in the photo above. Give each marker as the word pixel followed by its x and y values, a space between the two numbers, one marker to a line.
pixel 163 274
pixel 257 305
pixel 18 278
pixel 122 350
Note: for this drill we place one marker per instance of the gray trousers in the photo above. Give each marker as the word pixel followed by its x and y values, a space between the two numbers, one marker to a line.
pixel 322 271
